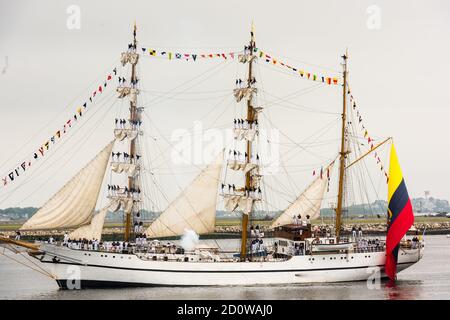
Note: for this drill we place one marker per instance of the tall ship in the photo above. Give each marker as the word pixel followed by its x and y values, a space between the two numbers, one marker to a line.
pixel 290 251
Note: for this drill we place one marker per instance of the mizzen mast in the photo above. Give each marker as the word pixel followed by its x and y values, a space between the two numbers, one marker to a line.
pixel 343 153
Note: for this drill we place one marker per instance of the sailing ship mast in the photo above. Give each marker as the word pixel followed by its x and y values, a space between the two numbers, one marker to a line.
pixel 250 119
pixel 132 183
pixel 343 153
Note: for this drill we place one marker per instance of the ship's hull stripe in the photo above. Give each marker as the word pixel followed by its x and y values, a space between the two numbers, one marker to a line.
pixel 218 271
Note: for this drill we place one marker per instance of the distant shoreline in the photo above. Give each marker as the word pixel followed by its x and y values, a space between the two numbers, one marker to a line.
pixel 230 228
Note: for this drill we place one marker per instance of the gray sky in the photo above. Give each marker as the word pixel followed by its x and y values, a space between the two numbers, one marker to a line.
pixel 399 74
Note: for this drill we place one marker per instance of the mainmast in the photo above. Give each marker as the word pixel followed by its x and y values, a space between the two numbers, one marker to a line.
pixel 250 119
pixel 132 183
pixel 343 153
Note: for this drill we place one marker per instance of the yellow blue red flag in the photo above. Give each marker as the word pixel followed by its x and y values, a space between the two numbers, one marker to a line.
pixel 400 214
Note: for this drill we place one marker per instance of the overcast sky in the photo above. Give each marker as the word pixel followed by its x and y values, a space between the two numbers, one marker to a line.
pixel 399 72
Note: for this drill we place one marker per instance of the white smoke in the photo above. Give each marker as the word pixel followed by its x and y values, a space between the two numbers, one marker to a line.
pixel 189 240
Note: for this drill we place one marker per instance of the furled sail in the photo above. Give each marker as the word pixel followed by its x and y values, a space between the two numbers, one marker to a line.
pixel 128 91
pixel 73 204
pixel 243 202
pixel 121 134
pixel 247 134
pixel 307 203
pixel 244 166
pixel 194 208
pixel 130 168
pixel 241 93
pixel 129 57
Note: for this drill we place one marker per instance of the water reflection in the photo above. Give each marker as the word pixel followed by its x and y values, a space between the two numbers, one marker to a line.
pixel 17 282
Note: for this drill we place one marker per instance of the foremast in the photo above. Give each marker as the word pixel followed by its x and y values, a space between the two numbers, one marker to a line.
pixel 128 197
pixel 132 182
pixel 343 152
pixel 244 157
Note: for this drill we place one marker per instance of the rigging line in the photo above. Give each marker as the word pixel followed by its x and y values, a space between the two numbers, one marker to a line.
pixel 55 117
pixel 36 264
pixel 171 145
pixel 87 136
pixel 308 63
pixel 353 126
pixel 169 203
pixel 277 191
pixel 74 131
pixel 296 106
pixel 305 149
pixel 182 190
pixel 86 111
pixel 182 92
pixel 164 136
pixel 319 134
pixel 186 99
pixel 219 66
pixel 32 178
pixel 294 94
pixel 290 180
pixel 290 74
pixel 29 178
pixel 25 265
pixel 188 81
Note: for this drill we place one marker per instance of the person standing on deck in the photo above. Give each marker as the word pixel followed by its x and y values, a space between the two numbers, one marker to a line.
pixel 354 233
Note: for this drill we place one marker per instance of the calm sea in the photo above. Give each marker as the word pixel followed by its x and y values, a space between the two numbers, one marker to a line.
pixel 428 279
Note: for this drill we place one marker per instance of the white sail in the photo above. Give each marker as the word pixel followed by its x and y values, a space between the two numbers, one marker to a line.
pixel 93 230
pixel 73 204
pixel 194 208
pixel 307 203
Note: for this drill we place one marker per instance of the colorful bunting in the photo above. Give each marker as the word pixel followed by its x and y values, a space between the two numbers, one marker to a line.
pixel 367 136
pixel 187 56
pixel 22 167
pixel 309 76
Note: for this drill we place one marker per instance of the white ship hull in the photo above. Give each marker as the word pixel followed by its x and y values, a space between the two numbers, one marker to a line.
pixel 88 269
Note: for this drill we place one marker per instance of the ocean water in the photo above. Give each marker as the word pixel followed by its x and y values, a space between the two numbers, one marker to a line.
pixel 428 279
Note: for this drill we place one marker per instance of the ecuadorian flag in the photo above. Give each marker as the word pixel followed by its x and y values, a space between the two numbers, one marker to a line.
pixel 400 214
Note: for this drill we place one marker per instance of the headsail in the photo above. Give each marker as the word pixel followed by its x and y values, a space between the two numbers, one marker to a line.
pixel 94 229
pixel 73 204
pixel 194 208
pixel 307 203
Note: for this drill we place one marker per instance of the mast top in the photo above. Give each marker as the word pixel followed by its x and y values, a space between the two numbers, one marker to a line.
pixel 252 32
pixel 134 34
